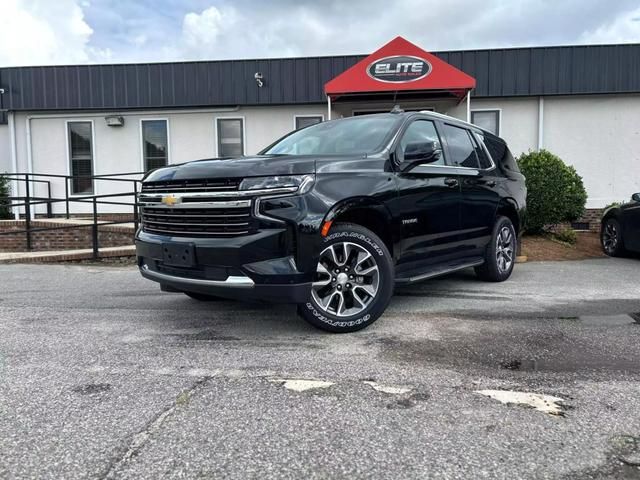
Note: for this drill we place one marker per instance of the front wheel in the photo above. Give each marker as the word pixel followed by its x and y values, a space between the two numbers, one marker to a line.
pixel 353 282
pixel 500 255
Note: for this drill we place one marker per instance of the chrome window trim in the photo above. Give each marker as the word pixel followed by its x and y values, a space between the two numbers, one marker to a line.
pixel 468 171
pixel 486 151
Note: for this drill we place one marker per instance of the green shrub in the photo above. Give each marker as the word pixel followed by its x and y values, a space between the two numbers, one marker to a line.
pixel 556 193
pixel 567 236
pixel 5 204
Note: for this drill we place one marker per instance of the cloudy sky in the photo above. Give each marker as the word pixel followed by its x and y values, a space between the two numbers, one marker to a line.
pixel 40 32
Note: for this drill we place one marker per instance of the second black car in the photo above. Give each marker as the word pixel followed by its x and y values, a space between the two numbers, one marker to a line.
pixel 620 229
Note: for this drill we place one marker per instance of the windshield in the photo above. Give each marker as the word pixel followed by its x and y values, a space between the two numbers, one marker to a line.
pixel 356 135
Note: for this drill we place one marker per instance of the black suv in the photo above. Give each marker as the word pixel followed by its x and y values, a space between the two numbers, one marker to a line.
pixel 332 216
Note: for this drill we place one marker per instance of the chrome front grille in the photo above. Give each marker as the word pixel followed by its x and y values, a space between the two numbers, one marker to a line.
pixel 201 208
pixel 218 219
pixel 196 208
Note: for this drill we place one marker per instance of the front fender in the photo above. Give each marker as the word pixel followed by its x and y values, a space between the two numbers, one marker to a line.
pixel 365 184
pixel 357 202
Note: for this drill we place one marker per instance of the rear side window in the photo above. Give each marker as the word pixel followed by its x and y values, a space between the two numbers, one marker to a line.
pixel 461 149
pixel 483 158
pixel 499 152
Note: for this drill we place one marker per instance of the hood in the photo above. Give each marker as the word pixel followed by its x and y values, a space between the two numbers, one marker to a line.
pixel 254 166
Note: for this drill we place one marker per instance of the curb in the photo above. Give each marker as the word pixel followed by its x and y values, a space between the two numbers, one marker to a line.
pixel 66 255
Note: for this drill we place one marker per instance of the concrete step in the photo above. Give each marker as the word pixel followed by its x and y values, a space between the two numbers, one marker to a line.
pixel 65 255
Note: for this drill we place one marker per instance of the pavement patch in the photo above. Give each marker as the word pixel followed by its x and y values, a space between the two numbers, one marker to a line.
pixel 387 388
pixel 543 403
pixel 300 385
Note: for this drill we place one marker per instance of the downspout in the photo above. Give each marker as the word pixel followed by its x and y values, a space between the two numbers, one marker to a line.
pixel 29 156
pixel 540 123
pixel 469 106
pixel 328 107
pixel 14 161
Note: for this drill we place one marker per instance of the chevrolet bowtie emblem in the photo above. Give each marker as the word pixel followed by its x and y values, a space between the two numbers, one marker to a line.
pixel 170 200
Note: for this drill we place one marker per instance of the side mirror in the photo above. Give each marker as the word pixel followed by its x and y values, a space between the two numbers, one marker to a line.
pixel 635 197
pixel 416 153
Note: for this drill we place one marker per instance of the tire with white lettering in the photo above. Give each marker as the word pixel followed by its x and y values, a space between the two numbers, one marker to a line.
pixel 353 282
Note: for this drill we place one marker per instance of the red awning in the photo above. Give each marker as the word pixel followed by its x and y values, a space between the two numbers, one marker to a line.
pixel 400 66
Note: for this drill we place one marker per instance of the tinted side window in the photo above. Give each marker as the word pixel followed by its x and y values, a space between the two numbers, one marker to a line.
pixel 461 149
pixel 500 153
pixel 483 158
pixel 420 131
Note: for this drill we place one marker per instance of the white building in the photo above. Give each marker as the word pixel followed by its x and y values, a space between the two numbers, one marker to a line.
pixel 581 103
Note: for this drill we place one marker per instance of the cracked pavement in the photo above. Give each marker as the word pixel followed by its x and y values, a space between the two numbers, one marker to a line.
pixel 104 376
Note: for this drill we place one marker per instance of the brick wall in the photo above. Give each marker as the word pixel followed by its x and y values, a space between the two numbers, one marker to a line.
pixel 67 239
pixel 592 216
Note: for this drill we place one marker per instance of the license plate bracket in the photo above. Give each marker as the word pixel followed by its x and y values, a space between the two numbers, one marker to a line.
pixel 179 254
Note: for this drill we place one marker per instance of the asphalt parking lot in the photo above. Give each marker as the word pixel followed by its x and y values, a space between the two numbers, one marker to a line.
pixel 104 376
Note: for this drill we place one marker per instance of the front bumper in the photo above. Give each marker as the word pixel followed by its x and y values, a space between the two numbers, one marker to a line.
pixel 252 267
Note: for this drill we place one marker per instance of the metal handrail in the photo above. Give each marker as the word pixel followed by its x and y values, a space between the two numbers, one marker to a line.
pixel 28 201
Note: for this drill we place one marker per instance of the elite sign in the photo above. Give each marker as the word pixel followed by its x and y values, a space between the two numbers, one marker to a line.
pixel 399 69
pixel 400 66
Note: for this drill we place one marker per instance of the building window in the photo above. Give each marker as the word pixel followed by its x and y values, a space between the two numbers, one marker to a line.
pixel 81 157
pixel 306 120
pixel 230 137
pixel 155 144
pixel 487 119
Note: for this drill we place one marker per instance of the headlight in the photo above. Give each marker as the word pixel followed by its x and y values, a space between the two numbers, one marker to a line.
pixel 290 183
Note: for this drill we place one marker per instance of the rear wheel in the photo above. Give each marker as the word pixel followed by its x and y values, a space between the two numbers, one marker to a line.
pixel 353 281
pixel 611 238
pixel 500 255
pixel 201 297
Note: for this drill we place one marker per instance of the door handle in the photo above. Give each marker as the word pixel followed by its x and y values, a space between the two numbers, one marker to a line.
pixel 451 182
pixel 491 183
